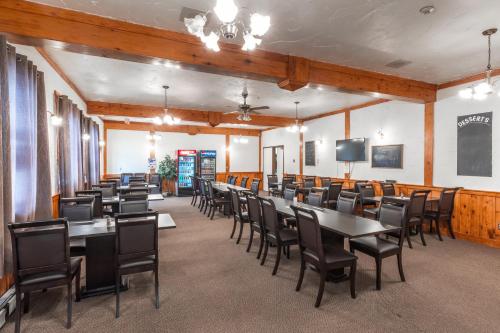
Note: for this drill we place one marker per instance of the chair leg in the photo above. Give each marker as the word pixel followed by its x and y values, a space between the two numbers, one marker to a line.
pixel 352 278
pixel 321 288
pixel 400 267
pixel 450 228
pixel 250 240
pixel 234 227
pixel 278 258
pixel 266 248
pixel 408 239
pixel 206 207
pixel 18 312
pixel 421 229
pixel 438 230
pixel 70 304
pixel 77 285
pixel 213 213
pixel 301 274
pixel 117 292
pixel 261 245
pixel 378 262
pixel 157 288
pixel 192 199
pixel 210 210
pixel 241 232
pixel 202 203
pixel 26 302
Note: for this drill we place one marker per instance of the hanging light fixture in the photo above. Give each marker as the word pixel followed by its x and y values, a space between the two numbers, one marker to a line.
pixel 167 118
pixel 227 11
pixel 481 90
pixel 297 127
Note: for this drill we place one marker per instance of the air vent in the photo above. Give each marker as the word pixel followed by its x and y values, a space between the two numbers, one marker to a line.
pixel 190 13
pixel 398 63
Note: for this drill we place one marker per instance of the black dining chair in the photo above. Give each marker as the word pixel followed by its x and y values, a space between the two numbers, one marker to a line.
pixel 392 213
pixel 322 257
pixel 136 249
pixel 388 189
pixel 255 218
pixel 244 181
pixel 254 186
pixel 290 193
pixel 416 214
pixel 443 212
pixel 203 193
pixel 315 199
pixel 97 208
pixel 239 216
pixel 125 178
pixel 274 233
pixel 323 192
pixel 74 210
pixel 346 202
pixel 333 194
pixel 41 260
pixel 108 189
pixel 140 175
pixel 155 179
pixel 325 181
pixel 214 202
pixel 272 183
pixel 196 190
pixel 309 182
pixel 134 203
pixel 368 204
pixel 134 190
pixel 229 179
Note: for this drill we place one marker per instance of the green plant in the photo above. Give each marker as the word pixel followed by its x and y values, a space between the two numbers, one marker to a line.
pixel 167 168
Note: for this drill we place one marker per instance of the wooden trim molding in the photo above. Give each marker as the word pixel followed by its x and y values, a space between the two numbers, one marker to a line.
pixel 35 24
pixel 228 152
pixel 468 79
pixel 260 152
pixel 301 152
pixel 55 205
pixel 429 144
pixel 61 73
pixel 347 124
pixel 105 150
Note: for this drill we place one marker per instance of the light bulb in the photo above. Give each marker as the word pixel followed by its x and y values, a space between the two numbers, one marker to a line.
pixel 195 25
pixel 85 137
pixel 226 10
pixel 211 41
pixel 466 93
pixel 55 120
pixel 483 88
pixel 177 120
pixel 168 119
pixel 244 140
pixel 102 143
pixel 303 129
pixel 479 97
pixel 236 140
pixel 250 42
pixel 157 121
pixel 259 24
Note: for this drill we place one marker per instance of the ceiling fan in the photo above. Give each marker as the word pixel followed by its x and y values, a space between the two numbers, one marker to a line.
pixel 245 110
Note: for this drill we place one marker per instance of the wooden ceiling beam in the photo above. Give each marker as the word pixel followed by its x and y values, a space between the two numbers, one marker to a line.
pixel 213 118
pixel 41 25
pixel 189 129
pixel 345 110
pixel 468 79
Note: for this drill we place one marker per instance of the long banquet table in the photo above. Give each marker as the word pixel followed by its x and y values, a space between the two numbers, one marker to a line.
pixel 99 235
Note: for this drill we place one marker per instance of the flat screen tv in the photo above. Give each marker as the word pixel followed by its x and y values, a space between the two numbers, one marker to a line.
pixel 351 150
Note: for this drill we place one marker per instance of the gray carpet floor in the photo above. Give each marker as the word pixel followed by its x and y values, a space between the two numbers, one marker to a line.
pixel 210 284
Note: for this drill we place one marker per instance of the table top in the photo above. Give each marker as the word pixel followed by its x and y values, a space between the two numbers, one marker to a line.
pixel 347 225
pixel 126 187
pixel 224 187
pixel 100 227
pixel 379 198
pixel 116 199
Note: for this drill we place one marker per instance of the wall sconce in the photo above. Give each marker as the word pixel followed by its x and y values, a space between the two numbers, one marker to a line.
pixel 102 143
pixel 380 133
pixel 55 120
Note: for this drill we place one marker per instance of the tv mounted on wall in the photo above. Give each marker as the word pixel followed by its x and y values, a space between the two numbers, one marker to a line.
pixel 351 150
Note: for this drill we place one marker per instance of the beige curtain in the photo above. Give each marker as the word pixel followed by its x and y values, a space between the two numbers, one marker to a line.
pixel 94 157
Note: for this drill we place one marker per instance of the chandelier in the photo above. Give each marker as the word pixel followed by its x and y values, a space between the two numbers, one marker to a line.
pixel 296 127
pixel 167 118
pixel 226 12
pixel 481 90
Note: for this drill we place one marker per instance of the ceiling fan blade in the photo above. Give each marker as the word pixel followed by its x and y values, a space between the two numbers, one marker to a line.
pixel 259 108
pixel 253 112
pixel 231 112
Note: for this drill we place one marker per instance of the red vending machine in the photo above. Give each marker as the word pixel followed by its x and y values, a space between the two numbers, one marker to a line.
pixel 186 168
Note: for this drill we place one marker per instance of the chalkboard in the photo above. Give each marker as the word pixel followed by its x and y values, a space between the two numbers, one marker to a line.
pixel 390 156
pixel 310 153
pixel 474 145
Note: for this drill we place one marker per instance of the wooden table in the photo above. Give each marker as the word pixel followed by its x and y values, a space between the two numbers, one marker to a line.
pixel 224 187
pixel 99 235
pixel 337 226
pixel 126 187
pixel 116 199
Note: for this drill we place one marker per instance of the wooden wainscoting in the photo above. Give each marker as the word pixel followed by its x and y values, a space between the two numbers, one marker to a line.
pixel 6 282
pixel 222 177
pixel 55 205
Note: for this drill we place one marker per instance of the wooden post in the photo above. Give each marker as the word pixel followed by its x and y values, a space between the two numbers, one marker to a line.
pixel 429 144
pixel 105 152
pixel 228 156
pixel 260 152
pixel 347 134
pixel 301 152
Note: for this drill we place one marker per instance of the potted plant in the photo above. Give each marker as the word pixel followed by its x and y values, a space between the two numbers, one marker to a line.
pixel 168 171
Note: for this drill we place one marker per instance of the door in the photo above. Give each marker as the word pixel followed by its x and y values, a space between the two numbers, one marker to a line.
pixel 273 163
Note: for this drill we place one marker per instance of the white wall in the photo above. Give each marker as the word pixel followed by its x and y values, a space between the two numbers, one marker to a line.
pixel 127 151
pixel 328 130
pixel 290 141
pixel 401 123
pixel 244 157
pixel 446 110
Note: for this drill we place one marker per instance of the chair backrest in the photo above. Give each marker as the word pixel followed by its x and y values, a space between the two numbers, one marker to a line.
pixel 209 190
pixel 77 209
pixel 270 220
pixel 392 212
pixel 366 190
pixel 325 181
pixel 97 194
pixel 289 193
pixel 244 182
pixel 388 189
pixel 309 232
pixel 447 201
pixel 236 202
pixel 357 183
pixel 155 179
pixel 108 189
pixel 203 188
pixel 134 190
pixel 39 247
pixel 416 206
pixel 254 210
pixel 136 236
pixel 334 190
pixel 140 176
pixel 272 179
pixel 229 178
pixel 309 182
pixel 286 181
pixel 233 180
pixel 315 199
pixel 134 203
pixel 254 187
pixel 346 203
pixel 125 178
pixel 194 183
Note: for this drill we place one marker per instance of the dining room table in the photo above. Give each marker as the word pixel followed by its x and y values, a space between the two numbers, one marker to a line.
pixel 336 227
pixel 223 189
pixel 99 236
pixel 126 187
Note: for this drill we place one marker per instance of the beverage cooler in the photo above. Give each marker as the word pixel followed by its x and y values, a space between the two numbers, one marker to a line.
pixel 186 168
pixel 206 164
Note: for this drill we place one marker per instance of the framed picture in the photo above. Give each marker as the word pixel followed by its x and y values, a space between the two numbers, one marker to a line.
pixel 390 156
pixel 310 159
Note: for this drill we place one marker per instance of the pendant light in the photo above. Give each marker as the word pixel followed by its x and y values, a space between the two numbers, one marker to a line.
pixel 297 127
pixel 481 90
pixel 167 118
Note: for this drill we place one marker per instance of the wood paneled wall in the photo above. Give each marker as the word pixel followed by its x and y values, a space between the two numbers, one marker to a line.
pixel 222 177
pixel 55 205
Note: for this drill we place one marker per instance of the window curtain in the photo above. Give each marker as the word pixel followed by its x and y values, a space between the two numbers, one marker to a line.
pixel 94 156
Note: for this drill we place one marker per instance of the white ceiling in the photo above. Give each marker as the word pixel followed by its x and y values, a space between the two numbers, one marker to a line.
pixel 368 34
pixel 117 81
